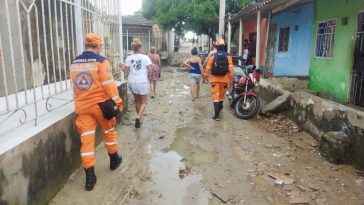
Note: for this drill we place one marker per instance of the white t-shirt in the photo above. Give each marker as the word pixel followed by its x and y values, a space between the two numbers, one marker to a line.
pixel 138 72
pixel 245 54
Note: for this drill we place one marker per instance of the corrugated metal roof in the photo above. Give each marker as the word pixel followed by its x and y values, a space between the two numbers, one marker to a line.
pixel 263 6
pixel 137 20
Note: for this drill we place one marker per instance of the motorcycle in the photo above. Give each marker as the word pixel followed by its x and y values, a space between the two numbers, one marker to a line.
pixel 243 97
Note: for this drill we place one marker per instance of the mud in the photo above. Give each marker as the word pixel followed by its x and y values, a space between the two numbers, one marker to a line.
pixel 226 162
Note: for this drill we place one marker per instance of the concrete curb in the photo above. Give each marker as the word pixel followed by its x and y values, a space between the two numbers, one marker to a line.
pixel 318 117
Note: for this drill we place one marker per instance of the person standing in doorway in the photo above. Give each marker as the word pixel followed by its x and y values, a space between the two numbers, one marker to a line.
pixel 195 72
pixel 138 66
pixel 155 74
pixel 220 67
pixel 95 92
pixel 245 55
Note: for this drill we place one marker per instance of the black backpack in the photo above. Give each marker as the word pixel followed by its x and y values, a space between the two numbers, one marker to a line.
pixel 220 65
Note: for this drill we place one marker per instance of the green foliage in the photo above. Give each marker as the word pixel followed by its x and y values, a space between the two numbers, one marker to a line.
pixel 200 16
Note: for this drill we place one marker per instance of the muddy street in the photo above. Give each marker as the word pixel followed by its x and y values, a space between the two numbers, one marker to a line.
pixel 181 156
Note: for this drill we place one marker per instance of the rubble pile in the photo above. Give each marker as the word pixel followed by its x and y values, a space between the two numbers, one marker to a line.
pixel 278 123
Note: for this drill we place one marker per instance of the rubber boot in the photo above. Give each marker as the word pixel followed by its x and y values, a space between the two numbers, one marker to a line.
pixel 217 111
pixel 221 105
pixel 115 161
pixel 90 179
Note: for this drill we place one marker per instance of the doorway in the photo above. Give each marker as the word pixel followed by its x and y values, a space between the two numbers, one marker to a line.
pixel 357 75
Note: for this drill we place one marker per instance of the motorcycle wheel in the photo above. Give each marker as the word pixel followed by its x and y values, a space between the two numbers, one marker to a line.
pixel 248 109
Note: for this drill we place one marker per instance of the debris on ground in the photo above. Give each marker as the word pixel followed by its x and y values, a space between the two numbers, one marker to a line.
pixel 184 170
pixel 278 123
pixel 299 200
pixel 285 179
pixel 223 195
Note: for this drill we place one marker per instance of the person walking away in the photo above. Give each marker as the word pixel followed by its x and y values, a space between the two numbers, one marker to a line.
pixel 220 67
pixel 195 72
pixel 138 66
pixel 155 74
pixel 201 54
pixel 95 94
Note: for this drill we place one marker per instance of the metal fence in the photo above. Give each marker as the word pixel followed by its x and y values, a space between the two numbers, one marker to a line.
pixel 149 40
pixel 38 40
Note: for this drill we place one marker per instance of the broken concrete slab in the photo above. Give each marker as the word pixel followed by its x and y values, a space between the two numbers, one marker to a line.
pixel 279 104
pixel 336 147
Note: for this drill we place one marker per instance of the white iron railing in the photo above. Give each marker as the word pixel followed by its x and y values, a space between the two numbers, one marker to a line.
pixel 38 40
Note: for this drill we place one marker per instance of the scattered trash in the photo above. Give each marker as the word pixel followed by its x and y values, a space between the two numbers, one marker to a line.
pixel 303 189
pixel 285 179
pixel 222 195
pixel 279 124
pixel 184 170
pixel 278 183
pixel 313 187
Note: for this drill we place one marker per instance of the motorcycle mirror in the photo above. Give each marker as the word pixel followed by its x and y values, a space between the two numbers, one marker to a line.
pixel 258 71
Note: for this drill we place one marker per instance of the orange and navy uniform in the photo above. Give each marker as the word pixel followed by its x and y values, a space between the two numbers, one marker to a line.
pixel 219 83
pixel 92 81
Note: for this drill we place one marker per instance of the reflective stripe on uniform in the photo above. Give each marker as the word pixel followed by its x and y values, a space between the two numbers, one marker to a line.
pixel 88 133
pixel 83 154
pixel 110 143
pixel 115 97
pixel 109 130
pixel 107 82
pixel 83 69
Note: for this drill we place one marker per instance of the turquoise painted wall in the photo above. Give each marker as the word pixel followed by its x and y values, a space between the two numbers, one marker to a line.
pixel 331 77
pixel 296 61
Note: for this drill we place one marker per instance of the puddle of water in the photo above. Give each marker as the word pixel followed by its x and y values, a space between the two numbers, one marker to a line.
pixel 168 188
pixel 239 152
pixel 194 155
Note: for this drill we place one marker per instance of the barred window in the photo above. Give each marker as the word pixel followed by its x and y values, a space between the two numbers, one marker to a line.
pixel 325 39
pixel 283 39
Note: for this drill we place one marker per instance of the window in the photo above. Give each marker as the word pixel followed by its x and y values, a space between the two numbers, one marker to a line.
pixel 283 39
pixel 325 39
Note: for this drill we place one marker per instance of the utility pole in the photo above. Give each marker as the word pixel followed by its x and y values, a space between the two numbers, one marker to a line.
pixel 229 36
pixel 222 18
pixel 121 49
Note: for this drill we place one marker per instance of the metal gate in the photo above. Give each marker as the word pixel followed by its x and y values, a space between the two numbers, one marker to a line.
pixel 357 76
pixel 38 40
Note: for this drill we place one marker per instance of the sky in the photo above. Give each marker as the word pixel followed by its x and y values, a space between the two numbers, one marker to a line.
pixel 131 6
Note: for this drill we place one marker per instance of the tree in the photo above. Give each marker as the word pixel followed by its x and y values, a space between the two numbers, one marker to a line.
pixel 200 16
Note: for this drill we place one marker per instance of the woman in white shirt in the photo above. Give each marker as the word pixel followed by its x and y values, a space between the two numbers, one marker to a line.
pixel 138 65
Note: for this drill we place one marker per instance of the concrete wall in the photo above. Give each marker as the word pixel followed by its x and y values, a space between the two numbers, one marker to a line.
pixel 36 169
pixel 331 76
pixel 319 116
pixel 296 61
pixel 250 26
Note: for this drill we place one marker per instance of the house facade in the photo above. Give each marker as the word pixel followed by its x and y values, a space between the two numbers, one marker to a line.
pixel 336 68
pixel 250 33
pixel 290 40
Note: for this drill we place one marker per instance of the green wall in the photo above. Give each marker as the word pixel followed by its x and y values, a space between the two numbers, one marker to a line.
pixel 331 77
